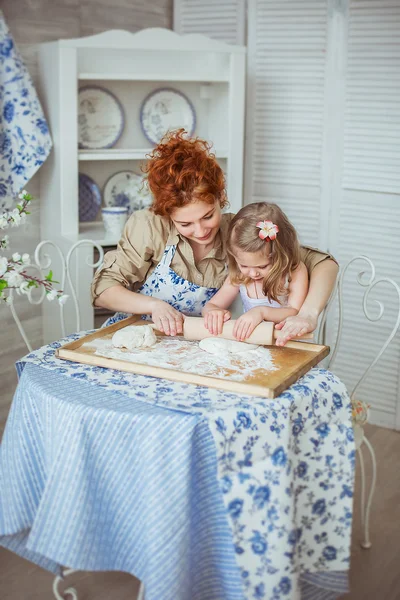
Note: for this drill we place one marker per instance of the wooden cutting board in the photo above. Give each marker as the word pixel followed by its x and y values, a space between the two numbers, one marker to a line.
pixel 292 361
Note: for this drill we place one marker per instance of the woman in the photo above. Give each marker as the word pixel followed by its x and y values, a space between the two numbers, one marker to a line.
pixel 172 257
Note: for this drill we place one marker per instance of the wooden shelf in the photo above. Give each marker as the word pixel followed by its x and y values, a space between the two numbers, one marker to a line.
pixel 95 231
pixel 197 77
pixel 114 154
pixel 126 154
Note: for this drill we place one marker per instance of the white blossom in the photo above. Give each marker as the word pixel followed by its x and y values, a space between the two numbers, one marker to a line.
pixel 62 299
pixel 16 257
pixel 3 265
pixel 5 242
pixel 51 295
pixel 3 221
pixel 22 194
pixel 16 217
pixel 26 259
pixel 13 278
pixel 18 268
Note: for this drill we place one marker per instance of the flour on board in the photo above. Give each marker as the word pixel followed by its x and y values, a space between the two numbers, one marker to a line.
pixel 186 356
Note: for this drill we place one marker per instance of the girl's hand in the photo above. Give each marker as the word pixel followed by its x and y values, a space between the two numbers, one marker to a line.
pixel 295 326
pixel 214 320
pixel 246 324
pixel 166 319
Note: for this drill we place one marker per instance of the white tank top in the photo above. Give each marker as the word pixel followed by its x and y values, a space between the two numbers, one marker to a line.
pixel 249 303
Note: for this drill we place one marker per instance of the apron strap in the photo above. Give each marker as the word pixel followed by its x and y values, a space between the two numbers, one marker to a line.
pixel 168 255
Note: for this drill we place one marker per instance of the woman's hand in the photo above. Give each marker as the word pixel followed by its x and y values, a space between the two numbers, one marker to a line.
pixel 166 319
pixel 246 324
pixel 296 326
pixel 214 320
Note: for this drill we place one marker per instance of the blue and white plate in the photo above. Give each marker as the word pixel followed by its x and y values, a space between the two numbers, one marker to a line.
pixel 89 198
pixel 100 118
pixel 126 188
pixel 165 110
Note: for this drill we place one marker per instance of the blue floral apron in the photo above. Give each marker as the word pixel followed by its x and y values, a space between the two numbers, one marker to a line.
pixel 167 285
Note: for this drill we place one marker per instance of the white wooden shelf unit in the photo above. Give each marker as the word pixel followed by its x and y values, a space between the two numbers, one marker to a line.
pixel 210 73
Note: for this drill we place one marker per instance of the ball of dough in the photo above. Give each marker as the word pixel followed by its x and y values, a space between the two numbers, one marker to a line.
pixel 132 337
pixel 222 347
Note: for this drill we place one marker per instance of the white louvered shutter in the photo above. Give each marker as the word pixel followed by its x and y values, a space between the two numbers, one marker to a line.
pixel 285 108
pixel 366 215
pixel 223 20
pixel 322 140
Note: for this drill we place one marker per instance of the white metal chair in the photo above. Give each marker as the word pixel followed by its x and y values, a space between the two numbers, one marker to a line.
pixel 360 408
pixel 42 262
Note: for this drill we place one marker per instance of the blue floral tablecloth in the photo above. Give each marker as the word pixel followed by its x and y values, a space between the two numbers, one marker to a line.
pixel 202 494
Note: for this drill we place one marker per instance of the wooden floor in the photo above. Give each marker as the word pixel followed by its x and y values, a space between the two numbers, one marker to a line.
pixel 375 573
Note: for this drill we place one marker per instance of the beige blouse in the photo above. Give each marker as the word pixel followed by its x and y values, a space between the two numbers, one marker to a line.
pixel 143 242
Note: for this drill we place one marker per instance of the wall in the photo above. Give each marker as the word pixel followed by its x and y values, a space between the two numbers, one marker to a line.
pixel 32 22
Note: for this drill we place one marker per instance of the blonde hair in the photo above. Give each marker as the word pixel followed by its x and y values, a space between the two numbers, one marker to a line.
pixel 243 234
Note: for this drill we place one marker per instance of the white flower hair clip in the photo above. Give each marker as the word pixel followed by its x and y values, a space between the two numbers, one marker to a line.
pixel 268 230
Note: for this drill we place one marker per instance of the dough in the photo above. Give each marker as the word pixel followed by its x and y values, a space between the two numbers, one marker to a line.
pixel 222 347
pixel 132 337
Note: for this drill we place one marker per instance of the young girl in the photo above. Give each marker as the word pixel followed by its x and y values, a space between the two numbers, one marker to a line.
pixel 264 267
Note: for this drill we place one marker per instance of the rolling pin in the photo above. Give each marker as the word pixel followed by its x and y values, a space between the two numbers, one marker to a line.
pixel 264 334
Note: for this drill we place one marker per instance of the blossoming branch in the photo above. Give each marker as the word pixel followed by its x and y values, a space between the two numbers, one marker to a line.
pixel 13 271
pixel 15 217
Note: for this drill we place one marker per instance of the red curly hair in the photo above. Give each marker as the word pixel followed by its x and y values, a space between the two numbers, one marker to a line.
pixel 181 170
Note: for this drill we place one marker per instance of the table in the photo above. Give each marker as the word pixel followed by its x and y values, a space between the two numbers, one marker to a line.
pixel 201 494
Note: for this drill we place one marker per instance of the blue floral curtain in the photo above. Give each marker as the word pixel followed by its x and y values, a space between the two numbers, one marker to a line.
pixel 25 141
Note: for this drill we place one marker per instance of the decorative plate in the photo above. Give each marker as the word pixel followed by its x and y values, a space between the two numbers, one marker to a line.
pixel 89 198
pixel 166 109
pixel 127 189
pixel 100 118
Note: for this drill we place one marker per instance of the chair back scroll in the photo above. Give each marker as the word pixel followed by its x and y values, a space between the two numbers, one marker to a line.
pixel 369 282
pixel 42 263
